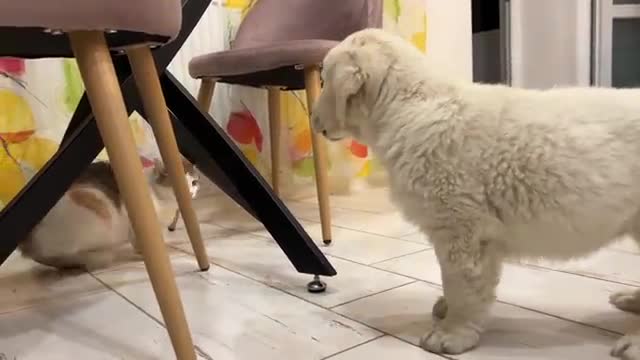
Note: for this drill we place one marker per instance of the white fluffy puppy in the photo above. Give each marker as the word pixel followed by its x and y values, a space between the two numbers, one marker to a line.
pixel 488 172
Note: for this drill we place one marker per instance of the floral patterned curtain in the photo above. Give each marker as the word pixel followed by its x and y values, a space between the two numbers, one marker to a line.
pixel 38 97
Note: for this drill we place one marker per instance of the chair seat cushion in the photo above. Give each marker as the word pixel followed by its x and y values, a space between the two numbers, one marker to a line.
pixel 260 58
pixel 153 17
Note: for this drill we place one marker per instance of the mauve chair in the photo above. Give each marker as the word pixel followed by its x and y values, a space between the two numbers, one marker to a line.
pixel 87 29
pixel 280 45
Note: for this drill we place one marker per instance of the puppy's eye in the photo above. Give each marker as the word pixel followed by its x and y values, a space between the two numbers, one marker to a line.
pixel 321 82
pixel 194 183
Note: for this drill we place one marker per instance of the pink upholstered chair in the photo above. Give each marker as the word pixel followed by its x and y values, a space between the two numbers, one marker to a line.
pixel 87 29
pixel 281 45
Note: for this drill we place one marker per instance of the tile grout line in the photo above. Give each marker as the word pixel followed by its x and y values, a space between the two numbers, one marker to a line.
pixel 334 225
pixel 199 351
pixel 363 231
pixel 121 295
pixel 428 247
pixel 311 204
pixel 415 280
pixel 332 307
pixel 410 281
pixel 53 300
pixel 314 221
pixel 593 277
pixel 512 304
pixel 268 236
pixel 353 347
pixel 384 333
pixel 373 264
pixel 409 278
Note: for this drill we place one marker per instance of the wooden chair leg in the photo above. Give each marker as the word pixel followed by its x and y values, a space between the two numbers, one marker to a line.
pixel 312 85
pixel 106 100
pixel 146 76
pixel 205 93
pixel 275 134
pixel 174 221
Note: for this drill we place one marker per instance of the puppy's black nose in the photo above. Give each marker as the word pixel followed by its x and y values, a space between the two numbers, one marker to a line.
pixel 324 133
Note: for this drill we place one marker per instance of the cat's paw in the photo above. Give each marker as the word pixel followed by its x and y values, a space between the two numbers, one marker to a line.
pixel 627 348
pixel 450 339
pixel 628 300
pixel 439 310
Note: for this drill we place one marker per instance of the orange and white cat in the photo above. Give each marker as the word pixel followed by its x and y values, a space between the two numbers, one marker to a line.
pixel 89 226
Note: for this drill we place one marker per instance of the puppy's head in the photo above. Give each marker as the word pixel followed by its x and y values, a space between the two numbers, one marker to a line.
pixel 354 74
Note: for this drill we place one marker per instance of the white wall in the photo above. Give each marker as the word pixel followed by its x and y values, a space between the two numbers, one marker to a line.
pixel 550 43
pixel 449 34
pixel 208 36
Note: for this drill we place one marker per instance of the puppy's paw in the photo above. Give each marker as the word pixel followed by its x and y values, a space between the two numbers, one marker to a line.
pixel 627 348
pixel 450 339
pixel 628 300
pixel 439 310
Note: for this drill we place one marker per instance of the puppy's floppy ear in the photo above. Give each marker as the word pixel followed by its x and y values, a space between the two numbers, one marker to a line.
pixel 349 80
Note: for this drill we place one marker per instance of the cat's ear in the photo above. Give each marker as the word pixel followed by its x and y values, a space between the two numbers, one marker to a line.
pixel 187 165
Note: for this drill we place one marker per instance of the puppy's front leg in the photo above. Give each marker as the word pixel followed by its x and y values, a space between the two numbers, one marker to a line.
pixel 470 273
pixel 627 347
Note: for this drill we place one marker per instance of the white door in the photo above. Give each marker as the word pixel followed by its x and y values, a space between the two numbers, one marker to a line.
pixel 617 43
pixel 549 43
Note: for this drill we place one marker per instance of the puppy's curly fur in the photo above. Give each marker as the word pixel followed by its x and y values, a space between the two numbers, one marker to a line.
pixel 488 172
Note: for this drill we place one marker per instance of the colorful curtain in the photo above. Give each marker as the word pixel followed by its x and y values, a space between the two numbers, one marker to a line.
pixel 38 97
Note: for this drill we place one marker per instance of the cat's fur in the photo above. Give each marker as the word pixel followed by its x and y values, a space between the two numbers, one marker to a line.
pixel 89 226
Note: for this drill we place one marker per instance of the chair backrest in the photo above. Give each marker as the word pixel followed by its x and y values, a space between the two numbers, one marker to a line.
pixel 271 21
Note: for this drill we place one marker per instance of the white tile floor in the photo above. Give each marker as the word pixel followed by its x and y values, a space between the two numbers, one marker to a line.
pixel 253 305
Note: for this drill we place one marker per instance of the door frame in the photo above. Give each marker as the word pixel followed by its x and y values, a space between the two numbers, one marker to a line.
pixel 604 12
